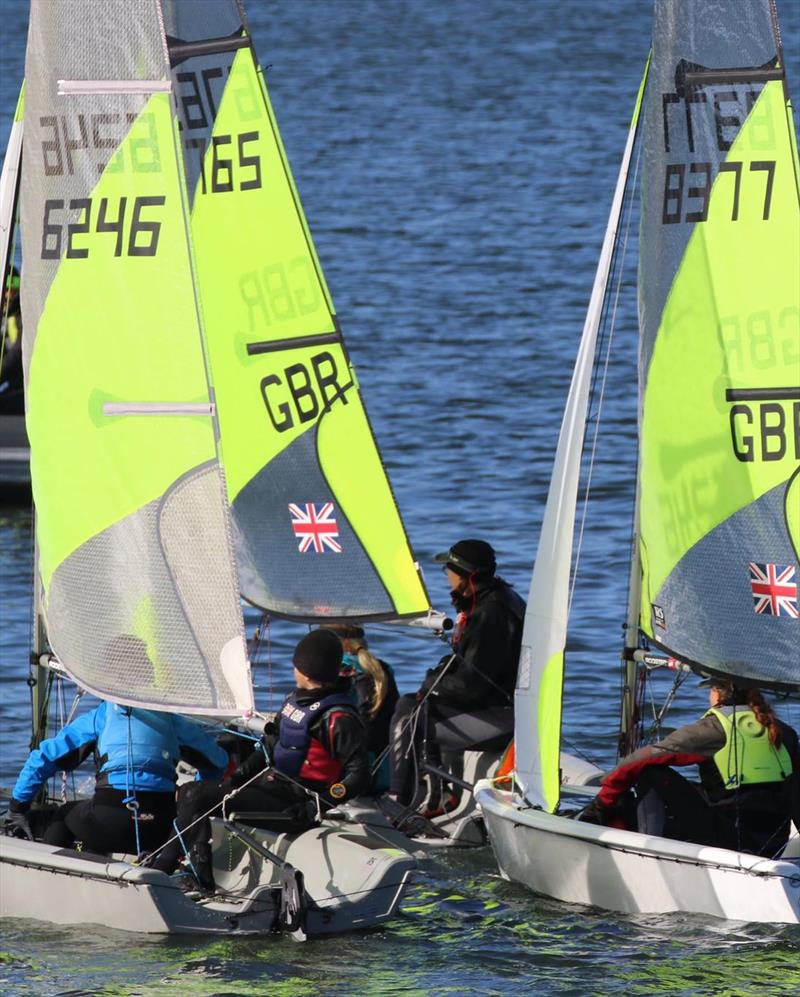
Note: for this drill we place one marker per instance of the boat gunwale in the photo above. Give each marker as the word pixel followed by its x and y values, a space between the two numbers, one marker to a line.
pixel 505 805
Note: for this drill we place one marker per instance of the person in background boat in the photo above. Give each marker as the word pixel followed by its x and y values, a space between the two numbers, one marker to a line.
pixel 749 766
pixel 376 696
pixel 468 697
pixel 316 748
pixel 11 386
pixel 136 752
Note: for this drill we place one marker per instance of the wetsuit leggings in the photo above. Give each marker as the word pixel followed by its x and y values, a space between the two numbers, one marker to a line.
pixel 104 824
pixel 673 807
pixel 284 806
pixel 440 726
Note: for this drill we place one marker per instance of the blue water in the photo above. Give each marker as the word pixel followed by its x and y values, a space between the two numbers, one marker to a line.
pixel 456 162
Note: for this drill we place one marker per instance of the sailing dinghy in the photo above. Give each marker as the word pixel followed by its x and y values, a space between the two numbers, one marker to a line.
pixel 718 490
pixel 193 417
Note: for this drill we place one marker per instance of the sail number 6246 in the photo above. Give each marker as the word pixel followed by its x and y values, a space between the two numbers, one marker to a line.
pixel 142 232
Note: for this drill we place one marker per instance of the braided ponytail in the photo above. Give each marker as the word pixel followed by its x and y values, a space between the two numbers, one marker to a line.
pixel 764 715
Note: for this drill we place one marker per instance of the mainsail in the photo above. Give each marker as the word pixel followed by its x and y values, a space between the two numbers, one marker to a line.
pixel 720 345
pixel 132 525
pixel 316 528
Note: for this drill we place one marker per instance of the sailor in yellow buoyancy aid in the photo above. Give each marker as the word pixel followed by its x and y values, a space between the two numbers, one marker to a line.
pixel 749 766
pixel 748 757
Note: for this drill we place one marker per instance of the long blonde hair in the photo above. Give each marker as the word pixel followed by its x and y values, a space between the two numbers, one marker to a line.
pixel 354 642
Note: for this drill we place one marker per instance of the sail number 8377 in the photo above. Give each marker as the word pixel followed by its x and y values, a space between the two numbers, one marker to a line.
pixel 136 232
pixel 687 189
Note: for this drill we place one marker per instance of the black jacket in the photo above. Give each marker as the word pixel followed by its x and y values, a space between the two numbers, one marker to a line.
pixel 484 672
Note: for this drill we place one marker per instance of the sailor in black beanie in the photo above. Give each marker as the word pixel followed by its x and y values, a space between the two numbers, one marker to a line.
pixel 317 741
pixel 318 656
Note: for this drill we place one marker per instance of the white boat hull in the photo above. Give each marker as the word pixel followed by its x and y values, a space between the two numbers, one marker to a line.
pixel 634 873
pixel 352 879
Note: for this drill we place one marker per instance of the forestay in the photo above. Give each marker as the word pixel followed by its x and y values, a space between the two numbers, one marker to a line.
pixel 317 531
pixel 720 345
pixel 132 524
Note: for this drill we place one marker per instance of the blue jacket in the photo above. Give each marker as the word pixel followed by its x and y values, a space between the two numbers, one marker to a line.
pixel 134 750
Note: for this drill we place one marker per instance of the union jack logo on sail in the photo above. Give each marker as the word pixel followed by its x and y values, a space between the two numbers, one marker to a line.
pixel 774 589
pixel 315 527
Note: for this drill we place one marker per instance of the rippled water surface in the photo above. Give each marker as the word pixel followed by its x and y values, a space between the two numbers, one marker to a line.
pixel 456 163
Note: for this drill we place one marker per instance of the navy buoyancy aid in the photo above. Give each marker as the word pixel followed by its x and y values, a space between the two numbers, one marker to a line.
pixel 296 752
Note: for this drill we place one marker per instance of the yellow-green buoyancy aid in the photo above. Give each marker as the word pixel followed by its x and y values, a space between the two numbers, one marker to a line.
pixel 748 756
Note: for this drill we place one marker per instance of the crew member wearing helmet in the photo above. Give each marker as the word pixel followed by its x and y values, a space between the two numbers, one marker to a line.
pixel 749 767
pixel 316 747
pixel 469 695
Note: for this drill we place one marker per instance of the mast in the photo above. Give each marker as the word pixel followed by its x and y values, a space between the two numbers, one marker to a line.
pixel 629 720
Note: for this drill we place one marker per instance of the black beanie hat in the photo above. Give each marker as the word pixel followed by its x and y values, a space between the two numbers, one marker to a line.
pixel 318 656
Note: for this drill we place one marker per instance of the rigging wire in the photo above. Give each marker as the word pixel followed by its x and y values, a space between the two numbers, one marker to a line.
pixel 600 373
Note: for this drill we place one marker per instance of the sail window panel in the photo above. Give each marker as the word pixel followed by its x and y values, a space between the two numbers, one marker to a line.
pixel 156 575
pixel 187 20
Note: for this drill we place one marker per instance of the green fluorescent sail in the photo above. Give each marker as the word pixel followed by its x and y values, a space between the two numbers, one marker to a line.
pixel 132 528
pixel 720 427
pixel 316 527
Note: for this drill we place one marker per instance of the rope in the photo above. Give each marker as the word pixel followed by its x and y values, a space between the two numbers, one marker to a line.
pixel 413 717
pixel 130 801
pixel 234 792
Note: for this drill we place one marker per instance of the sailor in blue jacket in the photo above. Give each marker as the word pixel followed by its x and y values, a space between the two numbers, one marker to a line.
pixel 136 752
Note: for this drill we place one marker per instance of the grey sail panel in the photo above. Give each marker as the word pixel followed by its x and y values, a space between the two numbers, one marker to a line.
pixel 754 599
pixel 292 538
pixel 679 131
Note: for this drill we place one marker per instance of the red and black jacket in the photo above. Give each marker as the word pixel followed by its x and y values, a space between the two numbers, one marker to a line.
pixel 696 744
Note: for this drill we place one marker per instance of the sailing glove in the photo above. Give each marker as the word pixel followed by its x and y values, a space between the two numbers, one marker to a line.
pixel 270 736
pixel 17 824
pixel 617 814
pixel 592 813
